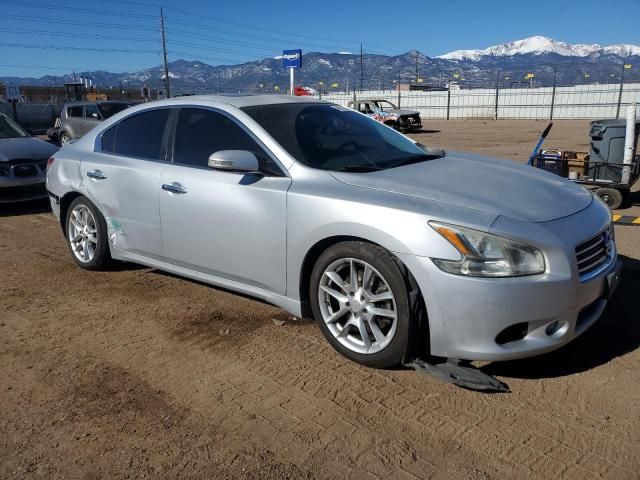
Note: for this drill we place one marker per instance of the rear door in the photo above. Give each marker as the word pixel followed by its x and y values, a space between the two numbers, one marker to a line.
pixel 223 223
pixel 123 179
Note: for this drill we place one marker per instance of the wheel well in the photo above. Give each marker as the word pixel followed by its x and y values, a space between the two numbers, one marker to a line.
pixel 419 340
pixel 65 201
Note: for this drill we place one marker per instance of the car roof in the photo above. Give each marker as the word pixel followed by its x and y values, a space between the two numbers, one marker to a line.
pixel 77 104
pixel 239 101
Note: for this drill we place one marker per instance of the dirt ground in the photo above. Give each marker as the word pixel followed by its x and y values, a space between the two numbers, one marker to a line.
pixel 133 373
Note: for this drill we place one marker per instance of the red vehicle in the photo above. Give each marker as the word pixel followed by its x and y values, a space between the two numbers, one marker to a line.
pixel 303 91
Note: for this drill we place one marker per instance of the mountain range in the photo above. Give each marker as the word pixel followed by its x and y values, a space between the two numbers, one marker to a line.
pixel 508 63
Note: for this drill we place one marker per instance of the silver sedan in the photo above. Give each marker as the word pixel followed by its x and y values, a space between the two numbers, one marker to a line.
pixel 395 249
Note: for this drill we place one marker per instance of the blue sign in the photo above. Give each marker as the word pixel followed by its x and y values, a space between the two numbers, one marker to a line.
pixel 292 58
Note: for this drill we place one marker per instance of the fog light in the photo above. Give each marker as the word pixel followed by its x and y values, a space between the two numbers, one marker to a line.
pixel 513 333
pixel 552 328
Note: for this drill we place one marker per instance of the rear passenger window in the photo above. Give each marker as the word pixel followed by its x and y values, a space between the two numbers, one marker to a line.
pixel 108 139
pixel 75 111
pixel 141 135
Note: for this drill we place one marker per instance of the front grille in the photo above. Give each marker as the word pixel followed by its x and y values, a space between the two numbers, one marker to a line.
pixel 591 254
pixel 22 171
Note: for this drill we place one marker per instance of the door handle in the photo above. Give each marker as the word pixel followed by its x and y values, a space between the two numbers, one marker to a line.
pixel 96 174
pixel 174 187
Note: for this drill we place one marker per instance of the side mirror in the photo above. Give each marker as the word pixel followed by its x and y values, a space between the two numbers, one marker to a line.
pixel 234 160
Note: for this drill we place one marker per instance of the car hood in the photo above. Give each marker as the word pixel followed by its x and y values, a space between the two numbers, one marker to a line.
pixel 498 187
pixel 25 148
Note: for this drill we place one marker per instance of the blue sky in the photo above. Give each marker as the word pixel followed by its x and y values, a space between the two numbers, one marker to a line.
pixel 40 37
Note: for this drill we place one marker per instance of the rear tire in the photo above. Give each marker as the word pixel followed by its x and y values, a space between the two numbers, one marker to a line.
pixel 86 234
pixel 612 197
pixel 378 307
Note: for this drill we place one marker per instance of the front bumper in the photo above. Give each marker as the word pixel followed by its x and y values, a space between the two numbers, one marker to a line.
pixel 467 314
pixel 12 192
pixel 23 181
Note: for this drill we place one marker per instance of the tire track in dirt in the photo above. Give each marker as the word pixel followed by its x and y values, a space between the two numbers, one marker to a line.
pixel 268 399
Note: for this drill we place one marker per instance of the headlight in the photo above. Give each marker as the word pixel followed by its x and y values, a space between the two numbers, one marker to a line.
pixel 487 255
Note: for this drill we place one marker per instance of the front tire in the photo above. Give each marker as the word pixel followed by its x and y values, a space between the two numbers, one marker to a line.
pixel 64 138
pixel 86 233
pixel 359 299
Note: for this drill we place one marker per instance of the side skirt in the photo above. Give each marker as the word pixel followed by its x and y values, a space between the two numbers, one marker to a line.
pixel 294 307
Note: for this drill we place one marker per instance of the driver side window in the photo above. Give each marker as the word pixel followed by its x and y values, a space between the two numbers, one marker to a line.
pixel 200 132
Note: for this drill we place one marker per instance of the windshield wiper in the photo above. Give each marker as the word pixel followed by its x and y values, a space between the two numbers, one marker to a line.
pixel 357 168
pixel 414 159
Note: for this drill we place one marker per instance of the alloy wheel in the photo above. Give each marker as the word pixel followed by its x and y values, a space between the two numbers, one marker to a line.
pixel 83 233
pixel 357 305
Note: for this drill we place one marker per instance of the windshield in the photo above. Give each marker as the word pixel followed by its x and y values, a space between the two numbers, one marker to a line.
pixel 10 129
pixel 109 109
pixel 330 137
pixel 385 106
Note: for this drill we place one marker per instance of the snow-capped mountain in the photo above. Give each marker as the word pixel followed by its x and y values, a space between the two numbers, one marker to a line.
pixel 538 45
pixel 550 60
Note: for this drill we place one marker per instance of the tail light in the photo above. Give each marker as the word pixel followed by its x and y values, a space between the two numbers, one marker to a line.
pixel 49 162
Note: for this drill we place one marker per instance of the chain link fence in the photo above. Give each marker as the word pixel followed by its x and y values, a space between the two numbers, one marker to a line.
pixel 34 117
pixel 575 102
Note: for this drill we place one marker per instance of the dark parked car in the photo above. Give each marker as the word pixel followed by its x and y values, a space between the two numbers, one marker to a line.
pixel 77 118
pixel 23 163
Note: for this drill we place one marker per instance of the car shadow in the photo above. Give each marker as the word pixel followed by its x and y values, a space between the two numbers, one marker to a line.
pixel 424 130
pixel 633 200
pixel 25 208
pixel 615 334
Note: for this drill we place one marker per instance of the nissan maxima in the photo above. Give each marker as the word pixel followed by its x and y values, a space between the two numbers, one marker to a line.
pixel 394 248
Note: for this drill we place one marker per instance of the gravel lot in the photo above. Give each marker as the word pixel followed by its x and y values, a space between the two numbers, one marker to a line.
pixel 134 373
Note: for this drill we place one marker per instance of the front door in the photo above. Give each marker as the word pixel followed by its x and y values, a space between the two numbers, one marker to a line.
pixel 228 224
pixel 91 118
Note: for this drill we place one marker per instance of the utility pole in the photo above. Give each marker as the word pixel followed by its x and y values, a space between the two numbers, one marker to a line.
pixel 361 67
pixel 553 93
pixel 164 54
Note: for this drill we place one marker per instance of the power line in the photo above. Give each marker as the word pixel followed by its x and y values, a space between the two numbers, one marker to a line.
pixel 83 23
pixel 78 35
pixel 218 20
pixel 280 41
pixel 75 9
pixel 45 67
pixel 75 49
pixel 216 49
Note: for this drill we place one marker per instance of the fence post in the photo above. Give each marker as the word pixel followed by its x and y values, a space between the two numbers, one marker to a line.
pixel 448 98
pixel 497 93
pixel 399 96
pixel 553 94
pixel 620 92
pixel 14 106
